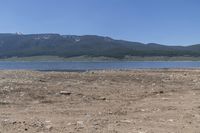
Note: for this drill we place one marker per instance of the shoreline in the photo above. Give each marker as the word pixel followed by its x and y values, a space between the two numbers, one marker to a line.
pixel 104 70
pixel 101 58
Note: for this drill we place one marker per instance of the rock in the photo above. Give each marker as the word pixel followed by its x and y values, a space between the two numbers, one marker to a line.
pixel 141 132
pixel 80 124
pixel 42 80
pixel 14 122
pixel 49 127
pixel 69 124
pixel 110 112
pixel 6 120
pixel 102 98
pixel 48 121
pixel 65 93
pixel 158 92
pixel 22 94
pixel 161 92
pixel 170 120
pixel 126 121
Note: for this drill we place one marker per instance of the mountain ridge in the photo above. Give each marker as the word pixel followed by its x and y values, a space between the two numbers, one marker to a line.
pixel 50 44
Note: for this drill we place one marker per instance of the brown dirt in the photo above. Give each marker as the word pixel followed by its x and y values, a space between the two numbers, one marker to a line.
pixel 138 101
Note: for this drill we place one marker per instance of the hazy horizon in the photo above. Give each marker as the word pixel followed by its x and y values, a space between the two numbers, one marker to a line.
pixel 172 22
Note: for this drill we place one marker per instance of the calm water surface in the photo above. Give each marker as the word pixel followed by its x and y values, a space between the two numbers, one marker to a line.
pixel 97 65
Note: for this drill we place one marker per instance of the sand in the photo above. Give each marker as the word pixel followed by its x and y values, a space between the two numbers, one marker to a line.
pixel 137 101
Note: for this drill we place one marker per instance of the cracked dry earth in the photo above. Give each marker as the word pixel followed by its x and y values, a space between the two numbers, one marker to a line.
pixel 137 101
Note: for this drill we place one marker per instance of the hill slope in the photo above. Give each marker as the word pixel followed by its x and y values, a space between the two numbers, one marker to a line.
pixel 15 45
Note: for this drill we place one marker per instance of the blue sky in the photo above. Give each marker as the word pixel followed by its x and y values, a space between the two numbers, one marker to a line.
pixel 171 22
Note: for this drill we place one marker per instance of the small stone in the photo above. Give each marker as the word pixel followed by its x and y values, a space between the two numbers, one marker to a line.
pixel 49 127
pixel 126 121
pixel 65 93
pixel 102 98
pixel 14 122
pixel 161 92
pixel 80 124
pixel 69 124
pixel 141 132
pixel 171 120
pixel 5 120
pixel 110 112
pixel 42 80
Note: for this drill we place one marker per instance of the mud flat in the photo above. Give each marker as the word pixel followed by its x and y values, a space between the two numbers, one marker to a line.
pixel 138 101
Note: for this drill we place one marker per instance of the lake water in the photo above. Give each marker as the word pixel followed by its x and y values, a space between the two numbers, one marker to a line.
pixel 82 66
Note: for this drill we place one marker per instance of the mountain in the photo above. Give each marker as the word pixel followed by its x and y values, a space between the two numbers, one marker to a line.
pixel 19 45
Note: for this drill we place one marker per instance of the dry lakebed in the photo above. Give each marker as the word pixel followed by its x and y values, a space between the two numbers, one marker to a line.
pixel 111 101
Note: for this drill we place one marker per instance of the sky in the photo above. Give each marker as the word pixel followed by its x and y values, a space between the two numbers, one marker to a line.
pixel 169 22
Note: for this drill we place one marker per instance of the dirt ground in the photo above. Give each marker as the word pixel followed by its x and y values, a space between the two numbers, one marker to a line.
pixel 138 101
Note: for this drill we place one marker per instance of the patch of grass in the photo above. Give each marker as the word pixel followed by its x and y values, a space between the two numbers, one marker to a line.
pixel 102 58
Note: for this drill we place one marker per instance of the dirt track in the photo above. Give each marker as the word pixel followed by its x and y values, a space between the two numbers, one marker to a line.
pixel 138 101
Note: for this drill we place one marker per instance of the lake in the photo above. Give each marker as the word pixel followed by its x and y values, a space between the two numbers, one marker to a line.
pixel 82 66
